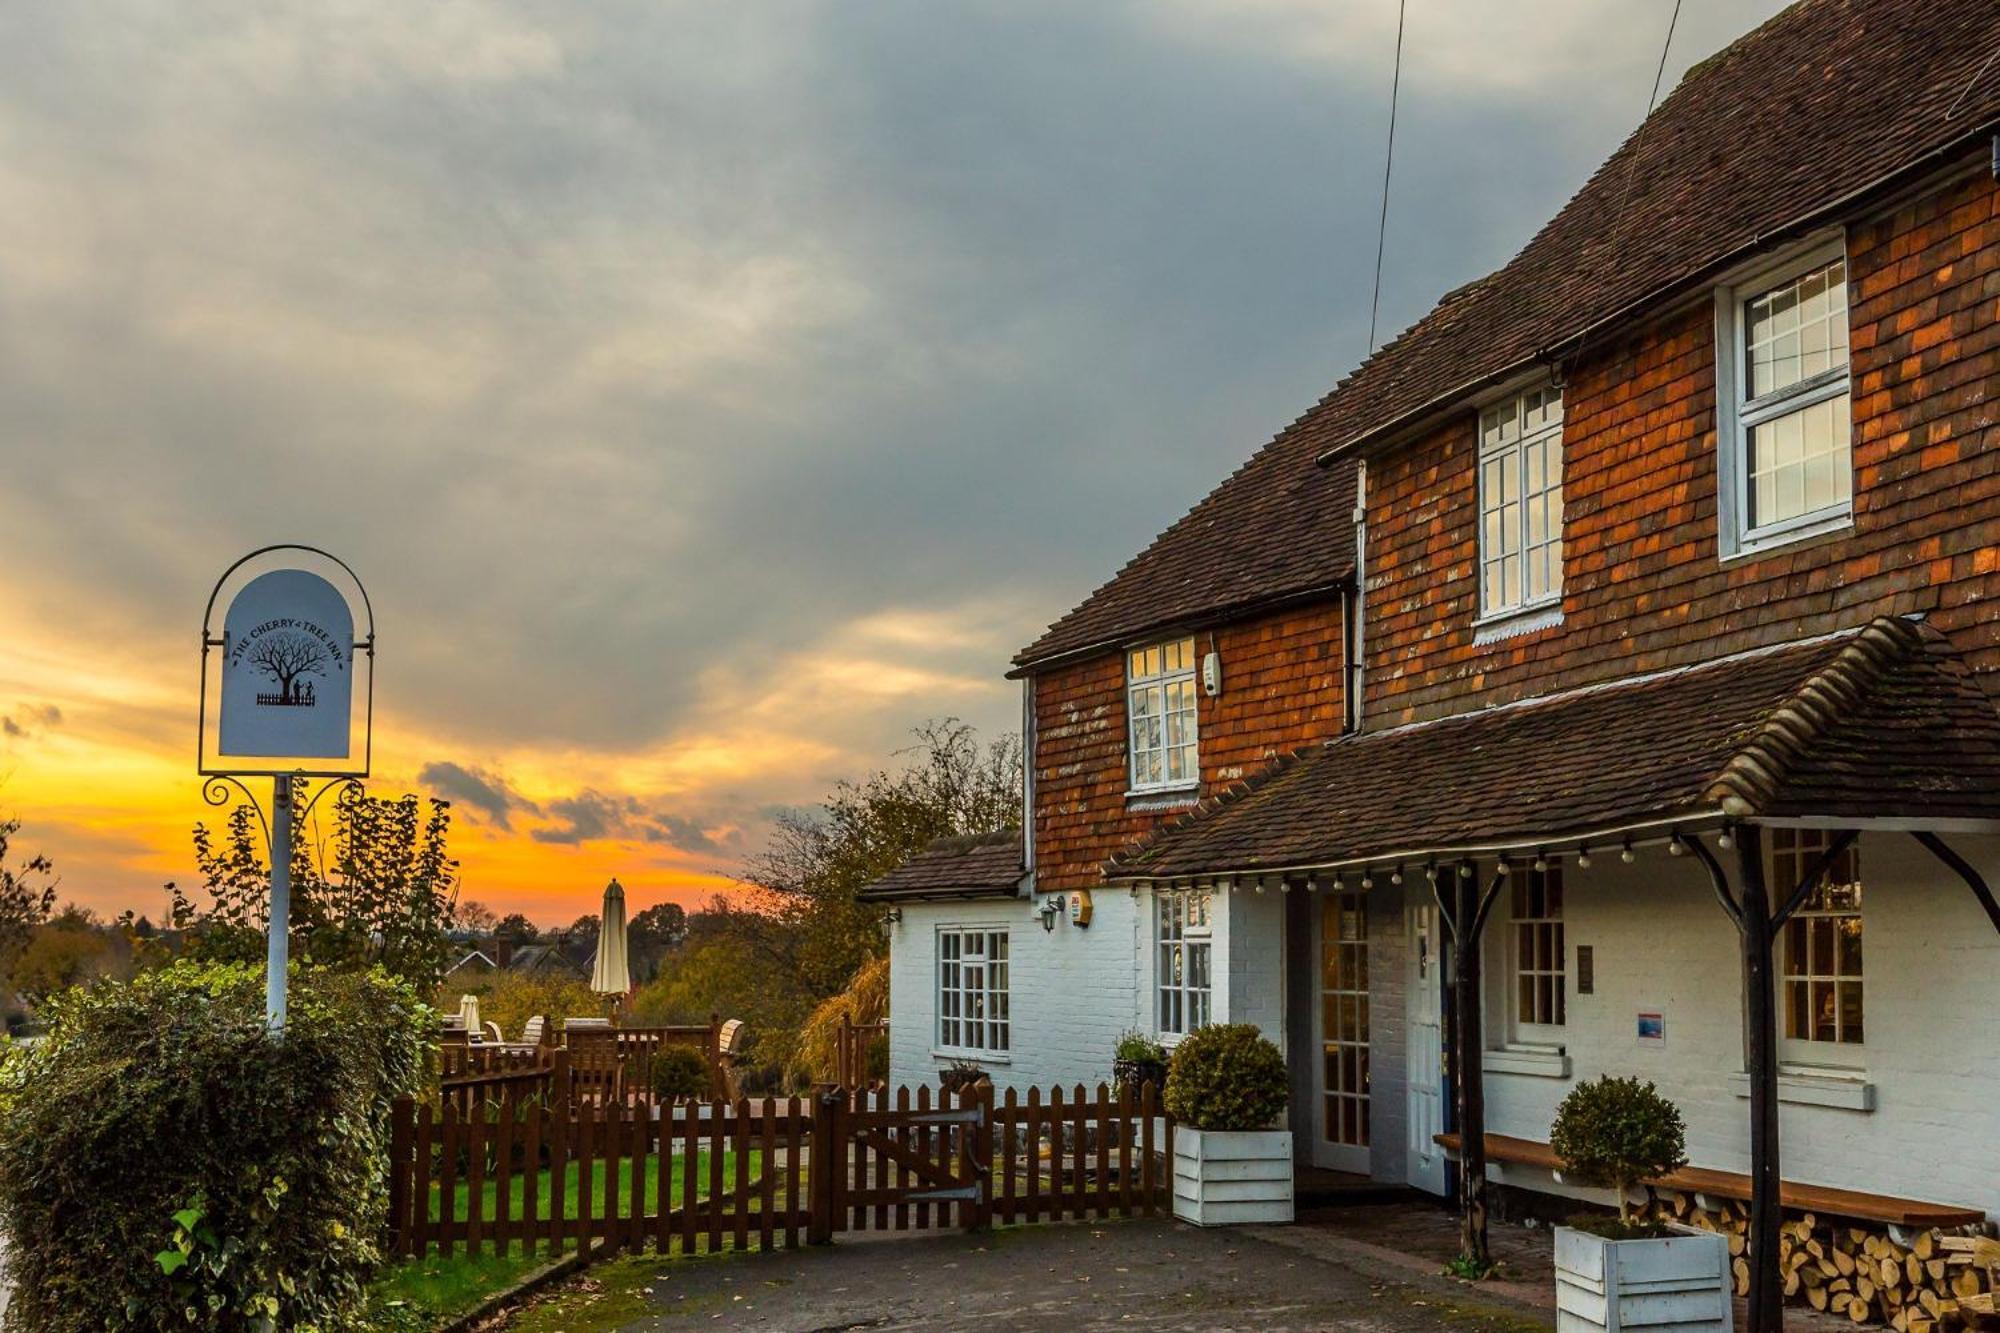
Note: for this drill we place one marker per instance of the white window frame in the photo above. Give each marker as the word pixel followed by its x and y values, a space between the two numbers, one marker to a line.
pixel 1161 683
pixel 961 1033
pixel 1736 415
pixel 1515 455
pixel 1787 863
pixel 1529 1033
pixel 1183 931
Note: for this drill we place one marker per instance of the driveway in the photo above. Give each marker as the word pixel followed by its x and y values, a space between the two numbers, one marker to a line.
pixel 1143 1274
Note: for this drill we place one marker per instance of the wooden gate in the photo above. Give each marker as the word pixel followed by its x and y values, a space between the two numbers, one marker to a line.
pixel 910 1166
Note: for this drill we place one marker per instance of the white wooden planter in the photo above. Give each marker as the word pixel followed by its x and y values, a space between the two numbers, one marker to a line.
pixel 1678 1282
pixel 1221 1179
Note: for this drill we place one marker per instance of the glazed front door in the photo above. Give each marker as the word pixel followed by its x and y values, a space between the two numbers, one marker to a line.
pixel 1426 1064
pixel 1340 1138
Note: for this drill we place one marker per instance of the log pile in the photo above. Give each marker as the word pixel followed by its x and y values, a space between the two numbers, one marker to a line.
pixel 1937 1283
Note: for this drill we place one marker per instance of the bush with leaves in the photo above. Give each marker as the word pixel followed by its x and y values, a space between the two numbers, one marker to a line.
pixel 376 890
pixel 680 1071
pixel 1138 1060
pixel 1227 1077
pixel 168 1163
pixel 1616 1133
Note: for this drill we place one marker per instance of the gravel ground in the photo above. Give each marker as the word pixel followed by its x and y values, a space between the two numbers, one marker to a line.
pixel 1146 1274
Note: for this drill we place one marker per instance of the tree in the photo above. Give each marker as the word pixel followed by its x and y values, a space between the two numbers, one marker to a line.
pixel 380 890
pixel 584 927
pixel 284 656
pixel 476 917
pixel 516 929
pixel 61 956
pixel 27 895
pixel 660 927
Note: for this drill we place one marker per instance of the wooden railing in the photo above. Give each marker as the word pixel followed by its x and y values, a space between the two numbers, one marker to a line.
pixel 538 1173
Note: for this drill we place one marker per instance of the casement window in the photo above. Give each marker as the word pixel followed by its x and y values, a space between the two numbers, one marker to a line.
pixel 1538 962
pixel 972 991
pixel 1520 503
pixel 1784 414
pixel 1159 701
pixel 1820 977
pixel 1184 944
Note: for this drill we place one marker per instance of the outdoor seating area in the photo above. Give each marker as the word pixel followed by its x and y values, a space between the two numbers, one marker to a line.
pixel 575 1059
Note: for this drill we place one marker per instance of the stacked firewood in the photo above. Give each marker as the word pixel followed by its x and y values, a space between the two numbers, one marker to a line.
pixel 1937 1283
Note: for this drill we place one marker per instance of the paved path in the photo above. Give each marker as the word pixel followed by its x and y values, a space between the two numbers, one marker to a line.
pixel 1153 1275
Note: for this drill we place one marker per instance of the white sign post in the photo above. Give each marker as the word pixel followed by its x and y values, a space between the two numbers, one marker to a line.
pixel 288 652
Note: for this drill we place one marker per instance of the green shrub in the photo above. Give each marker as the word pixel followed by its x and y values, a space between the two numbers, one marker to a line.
pixel 1139 1048
pixel 165 1162
pixel 1617 1132
pixel 1139 1061
pixel 1227 1077
pixel 680 1071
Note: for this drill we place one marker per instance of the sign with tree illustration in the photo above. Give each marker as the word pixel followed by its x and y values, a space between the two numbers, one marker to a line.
pixel 287 668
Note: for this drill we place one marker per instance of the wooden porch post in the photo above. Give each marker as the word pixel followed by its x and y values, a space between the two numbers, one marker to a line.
pixel 1760 1016
pixel 1469 919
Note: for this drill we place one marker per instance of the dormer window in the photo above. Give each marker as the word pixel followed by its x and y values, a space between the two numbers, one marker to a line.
pixel 1786 469
pixel 1159 701
pixel 1520 503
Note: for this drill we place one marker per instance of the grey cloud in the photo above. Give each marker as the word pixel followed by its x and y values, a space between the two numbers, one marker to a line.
pixel 30 719
pixel 487 793
pixel 592 816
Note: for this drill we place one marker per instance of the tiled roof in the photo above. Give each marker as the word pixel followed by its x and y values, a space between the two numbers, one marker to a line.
pixel 1788 124
pixel 987 865
pixel 1876 722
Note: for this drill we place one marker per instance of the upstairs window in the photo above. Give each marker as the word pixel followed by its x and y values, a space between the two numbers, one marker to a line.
pixel 1787 462
pixel 1159 700
pixel 1520 503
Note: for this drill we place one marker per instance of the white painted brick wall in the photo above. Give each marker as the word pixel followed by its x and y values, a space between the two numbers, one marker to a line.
pixel 1074 991
pixel 1932 968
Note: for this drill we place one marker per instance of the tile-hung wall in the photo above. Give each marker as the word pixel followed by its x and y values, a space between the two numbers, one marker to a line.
pixel 1644 584
pixel 1281 689
pixel 1660 945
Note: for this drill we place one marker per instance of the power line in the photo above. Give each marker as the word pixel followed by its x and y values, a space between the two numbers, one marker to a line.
pixel 1388 165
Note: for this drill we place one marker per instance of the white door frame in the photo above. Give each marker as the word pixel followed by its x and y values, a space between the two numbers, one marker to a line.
pixel 1424 1073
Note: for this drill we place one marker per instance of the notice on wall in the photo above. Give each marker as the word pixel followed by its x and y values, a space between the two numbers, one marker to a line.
pixel 1652 1027
pixel 287 669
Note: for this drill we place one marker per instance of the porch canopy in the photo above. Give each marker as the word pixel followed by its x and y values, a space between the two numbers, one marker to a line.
pixel 1877 727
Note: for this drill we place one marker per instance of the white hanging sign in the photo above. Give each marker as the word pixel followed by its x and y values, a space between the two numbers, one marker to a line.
pixel 287 668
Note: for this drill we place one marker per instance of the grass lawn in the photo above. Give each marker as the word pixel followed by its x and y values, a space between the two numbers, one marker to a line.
pixel 422 1293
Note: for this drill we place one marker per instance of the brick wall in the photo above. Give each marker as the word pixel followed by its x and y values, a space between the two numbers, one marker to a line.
pixel 1281 689
pixel 1643 587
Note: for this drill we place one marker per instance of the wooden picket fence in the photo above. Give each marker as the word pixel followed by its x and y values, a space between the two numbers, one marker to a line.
pixel 699 1176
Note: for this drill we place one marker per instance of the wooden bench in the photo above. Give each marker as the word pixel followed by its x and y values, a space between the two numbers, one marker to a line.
pixel 1824 1199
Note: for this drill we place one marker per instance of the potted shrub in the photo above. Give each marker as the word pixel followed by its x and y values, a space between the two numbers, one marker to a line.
pixel 1622 1273
pixel 1227 1087
pixel 1138 1060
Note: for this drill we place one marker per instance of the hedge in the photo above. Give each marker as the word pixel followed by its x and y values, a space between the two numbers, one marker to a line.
pixel 1227 1077
pixel 165 1162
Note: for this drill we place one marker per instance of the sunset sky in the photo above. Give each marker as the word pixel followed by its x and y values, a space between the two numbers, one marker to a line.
pixel 706 393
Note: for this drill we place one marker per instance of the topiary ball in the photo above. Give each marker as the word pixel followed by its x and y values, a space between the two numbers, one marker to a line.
pixel 680 1071
pixel 1227 1077
pixel 1617 1132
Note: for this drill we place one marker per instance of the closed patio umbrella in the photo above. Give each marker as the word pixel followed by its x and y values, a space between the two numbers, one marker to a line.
pixel 611 974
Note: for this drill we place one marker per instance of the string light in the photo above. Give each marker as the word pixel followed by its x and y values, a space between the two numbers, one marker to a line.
pixel 1505 868
pixel 1396 875
pixel 1541 863
pixel 1312 884
pixel 1674 847
pixel 1726 840
pixel 1625 855
pixel 1367 880
pixel 1431 873
pixel 1583 857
